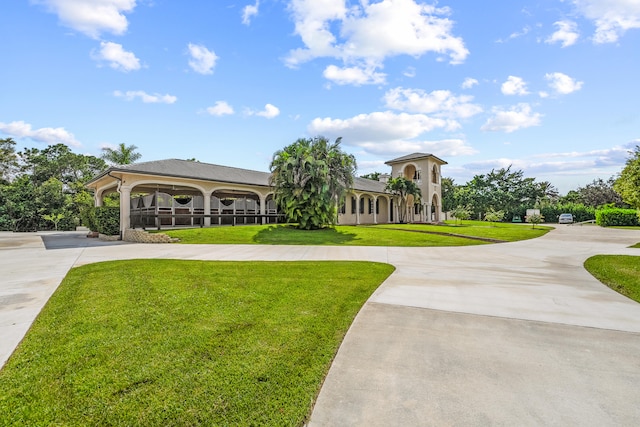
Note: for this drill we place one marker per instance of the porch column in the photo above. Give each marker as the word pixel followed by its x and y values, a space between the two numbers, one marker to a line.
pixel 97 198
pixel 429 212
pixel 375 209
pixel 125 209
pixel 357 209
pixel 263 208
pixel 207 207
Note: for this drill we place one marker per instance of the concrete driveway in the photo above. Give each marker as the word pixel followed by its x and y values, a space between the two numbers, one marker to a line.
pixel 507 334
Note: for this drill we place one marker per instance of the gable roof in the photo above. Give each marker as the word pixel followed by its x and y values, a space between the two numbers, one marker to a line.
pixel 212 172
pixel 415 156
pixel 193 170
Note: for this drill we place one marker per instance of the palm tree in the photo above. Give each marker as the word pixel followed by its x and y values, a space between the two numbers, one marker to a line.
pixel 122 155
pixel 310 178
pixel 403 188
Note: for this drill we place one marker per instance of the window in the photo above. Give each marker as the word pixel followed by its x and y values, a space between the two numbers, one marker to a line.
pixel 416 208
pixel 370 206
pixel 377 206
pixel 353 205
pixel 434 174
pixel 343 207
pixel 362 205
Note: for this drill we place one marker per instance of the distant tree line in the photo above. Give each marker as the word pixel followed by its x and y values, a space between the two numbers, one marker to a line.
pixel 44 189
pixel 510 193
pixel 504 193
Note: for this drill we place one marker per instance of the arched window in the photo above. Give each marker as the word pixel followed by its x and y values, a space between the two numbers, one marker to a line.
pixel 434 175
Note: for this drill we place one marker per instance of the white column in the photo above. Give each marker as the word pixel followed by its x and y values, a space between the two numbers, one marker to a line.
pixel 429 212
pixel 357 209
pixel 263 208
pixel 207 208
pixel 375 209
pixel 97 198
pixel 125 208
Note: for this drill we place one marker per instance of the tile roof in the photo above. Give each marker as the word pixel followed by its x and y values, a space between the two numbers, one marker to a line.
pixel 414 156
pixel 211 172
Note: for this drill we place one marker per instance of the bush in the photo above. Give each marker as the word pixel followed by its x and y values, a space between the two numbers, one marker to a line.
pixel 617 217
pixel 88 217
pixel 108 220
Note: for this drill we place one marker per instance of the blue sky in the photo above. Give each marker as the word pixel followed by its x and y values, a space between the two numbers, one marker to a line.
pixel 550 87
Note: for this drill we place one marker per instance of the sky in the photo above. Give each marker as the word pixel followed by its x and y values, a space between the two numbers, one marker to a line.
pixel 550 87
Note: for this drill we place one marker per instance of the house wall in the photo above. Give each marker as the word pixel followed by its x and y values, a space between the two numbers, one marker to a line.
pixel 426 173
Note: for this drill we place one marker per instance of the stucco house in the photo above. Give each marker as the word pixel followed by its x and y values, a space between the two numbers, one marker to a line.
pixel 172 192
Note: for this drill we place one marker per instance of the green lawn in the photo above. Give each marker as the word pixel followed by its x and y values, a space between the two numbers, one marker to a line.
pixel 378 235
pixel 619 272
pixel 171 342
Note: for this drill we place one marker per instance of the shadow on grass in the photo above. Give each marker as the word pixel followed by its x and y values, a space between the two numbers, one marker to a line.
pixel 289 235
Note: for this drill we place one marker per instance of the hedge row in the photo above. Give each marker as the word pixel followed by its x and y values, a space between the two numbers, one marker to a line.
pixel 107 220
pixel 617 217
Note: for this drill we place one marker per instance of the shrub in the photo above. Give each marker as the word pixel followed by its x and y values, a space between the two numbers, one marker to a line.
pixel 617 217
pixel 88 217
pixel 108 220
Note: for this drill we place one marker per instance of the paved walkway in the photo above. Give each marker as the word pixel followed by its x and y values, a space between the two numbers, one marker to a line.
pixel 507 334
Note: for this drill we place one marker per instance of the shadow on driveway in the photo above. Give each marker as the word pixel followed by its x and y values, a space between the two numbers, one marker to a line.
pixel 66 240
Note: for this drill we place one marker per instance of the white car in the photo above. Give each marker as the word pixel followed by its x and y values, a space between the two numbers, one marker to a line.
pixel 565 218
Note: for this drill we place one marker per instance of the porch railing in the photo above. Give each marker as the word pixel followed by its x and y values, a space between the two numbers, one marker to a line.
pixel 153 220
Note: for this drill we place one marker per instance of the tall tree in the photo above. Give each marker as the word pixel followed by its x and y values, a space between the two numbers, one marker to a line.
pixel 599 193
pixel 628 184
pixel 449 194
pixel 47 183
pixel 503 189
pixel 310 178
pixel 8 159
pixel 404 188
pixel 122 155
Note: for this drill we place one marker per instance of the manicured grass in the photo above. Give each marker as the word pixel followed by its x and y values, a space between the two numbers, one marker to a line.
pixel 171 342
pixel 481 229
pixel 619 272
pixel 378 235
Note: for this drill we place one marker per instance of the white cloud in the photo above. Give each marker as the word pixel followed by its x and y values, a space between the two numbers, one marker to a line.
pixel 21 129
pixel 270 111
pixel 155 98
pixel 220 108
pixel 516 35
pixel 589 163
pixel 353 75
pixel 409 72
pixel 468 83
pixel 611 17
pixel 368 33
pixel 377 126
pixel 567 33
pixel 518 117
pixel 118 58
pixel 441 148
pixel 250 11
pixel 562 83
pixel 202 59
pixel 389 133
pixel 514 86
pixel 92 17
pixel 441 103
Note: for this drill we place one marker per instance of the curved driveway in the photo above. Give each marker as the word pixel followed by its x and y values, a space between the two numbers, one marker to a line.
pixel 506 334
